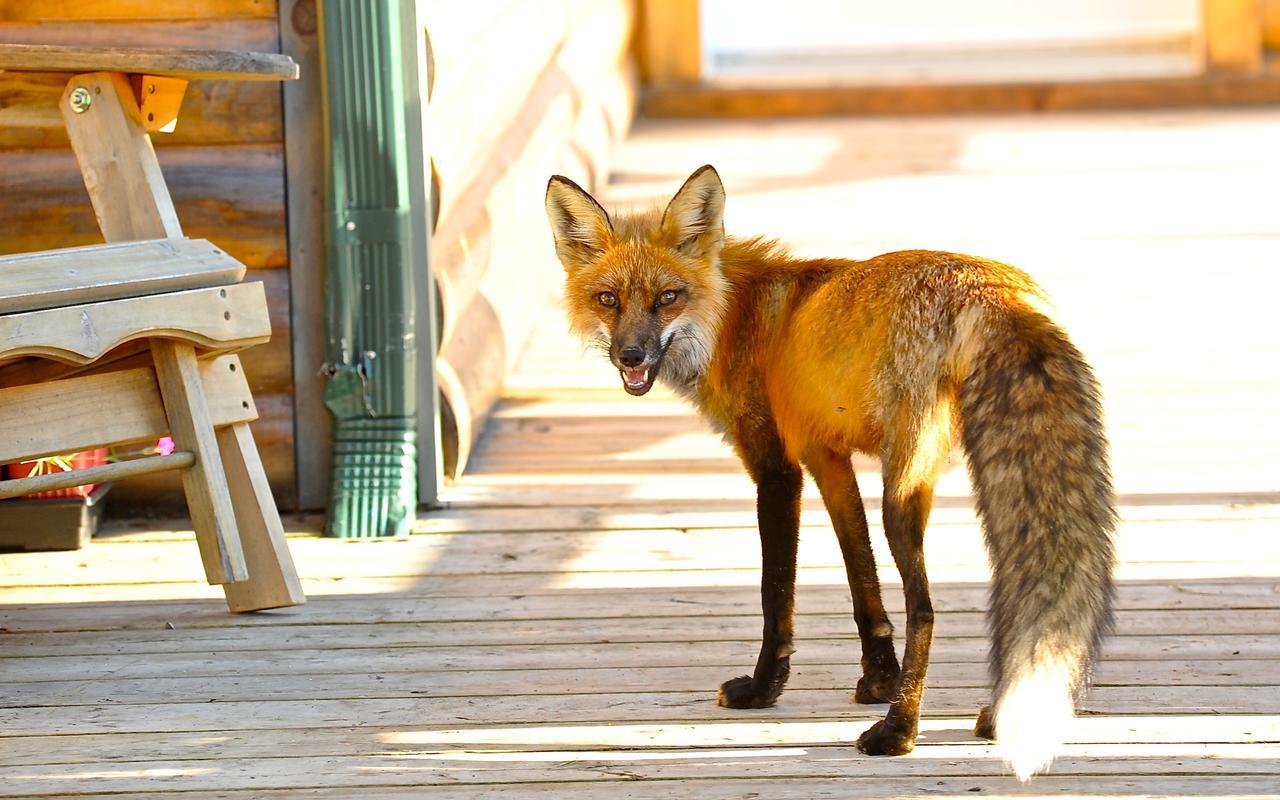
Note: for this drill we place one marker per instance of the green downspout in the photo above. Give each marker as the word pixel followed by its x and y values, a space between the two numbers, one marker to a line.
pixel 370 273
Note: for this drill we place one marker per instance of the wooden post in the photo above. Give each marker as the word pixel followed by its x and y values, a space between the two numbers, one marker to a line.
pixel 670 42
pixel 1232 35
pixel 132 202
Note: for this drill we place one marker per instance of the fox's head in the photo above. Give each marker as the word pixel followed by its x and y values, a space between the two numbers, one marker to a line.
pixel 648 287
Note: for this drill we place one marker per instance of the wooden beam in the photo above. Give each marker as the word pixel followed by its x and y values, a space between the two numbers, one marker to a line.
pixel 1219 89
pixel 65 416
pixel 117 161
pixel 1232 35
pixel 273 580
pixel 55 278
pixel 204 482
pixel 670 42
pixel 187 64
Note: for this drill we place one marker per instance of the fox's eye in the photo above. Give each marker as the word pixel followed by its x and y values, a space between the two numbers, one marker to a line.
pixel 667 298
pixel 607 299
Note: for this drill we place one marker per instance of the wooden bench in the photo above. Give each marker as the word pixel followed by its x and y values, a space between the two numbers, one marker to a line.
pixel 135 339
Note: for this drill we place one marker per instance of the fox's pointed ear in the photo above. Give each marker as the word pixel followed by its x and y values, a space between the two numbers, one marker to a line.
pixel 581 227
pixel 694 220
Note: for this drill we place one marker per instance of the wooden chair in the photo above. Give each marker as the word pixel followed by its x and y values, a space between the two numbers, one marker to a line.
pixel 137 336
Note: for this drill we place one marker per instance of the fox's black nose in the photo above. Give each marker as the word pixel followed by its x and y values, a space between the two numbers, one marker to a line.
pixel 632 357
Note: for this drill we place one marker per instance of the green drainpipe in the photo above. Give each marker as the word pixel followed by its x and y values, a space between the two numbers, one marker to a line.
pixel 370 275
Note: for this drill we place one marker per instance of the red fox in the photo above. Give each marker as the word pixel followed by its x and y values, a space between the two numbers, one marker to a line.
pixel 801 362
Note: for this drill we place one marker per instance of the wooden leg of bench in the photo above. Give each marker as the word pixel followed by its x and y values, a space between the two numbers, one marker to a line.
pixel 205 483
pixel 273 582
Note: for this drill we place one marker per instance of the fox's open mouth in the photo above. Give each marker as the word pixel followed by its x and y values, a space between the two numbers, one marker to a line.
pixel 640 381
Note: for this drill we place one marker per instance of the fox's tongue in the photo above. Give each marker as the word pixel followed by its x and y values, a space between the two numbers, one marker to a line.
pixel 635 378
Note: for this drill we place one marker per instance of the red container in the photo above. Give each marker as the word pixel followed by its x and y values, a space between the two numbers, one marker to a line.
pixel 89 458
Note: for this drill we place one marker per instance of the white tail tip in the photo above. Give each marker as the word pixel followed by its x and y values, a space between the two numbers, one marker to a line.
pixel 1033 717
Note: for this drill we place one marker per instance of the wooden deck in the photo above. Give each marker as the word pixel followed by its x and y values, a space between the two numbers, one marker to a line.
pixel 559 630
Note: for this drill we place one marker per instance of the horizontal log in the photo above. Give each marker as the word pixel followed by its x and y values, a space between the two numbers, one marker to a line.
pixel 130 10
pixel 228 33
pixel 233 196
pixel 213 113
pixel 17 487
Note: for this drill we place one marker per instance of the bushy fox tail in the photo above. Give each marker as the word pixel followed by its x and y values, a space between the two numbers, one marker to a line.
pixel 1032 429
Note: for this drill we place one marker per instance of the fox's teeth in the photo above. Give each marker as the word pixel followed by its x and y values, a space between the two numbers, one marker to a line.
pixel 635 378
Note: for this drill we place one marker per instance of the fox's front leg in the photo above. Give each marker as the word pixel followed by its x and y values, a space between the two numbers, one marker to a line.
pixel 778 485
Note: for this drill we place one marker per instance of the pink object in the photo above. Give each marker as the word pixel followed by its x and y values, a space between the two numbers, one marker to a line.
pixel 165 446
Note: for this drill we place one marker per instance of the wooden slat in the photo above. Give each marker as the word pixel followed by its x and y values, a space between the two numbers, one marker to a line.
pixel 108 748
pixel 119 470
pixel 92 274
pixel 383 679
pixel 728 654
pixel 648 705
pixel 227 317
pixel 188 64
pixel 441 768
pixel 963 632
pixel 852 787
pixel 66 416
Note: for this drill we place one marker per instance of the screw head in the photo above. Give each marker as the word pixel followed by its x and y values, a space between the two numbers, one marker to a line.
pixel 351 226
pixel 81 99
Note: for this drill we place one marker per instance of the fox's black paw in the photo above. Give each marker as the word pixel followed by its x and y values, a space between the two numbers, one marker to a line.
pixel 879 678
pixel 883 739
pixel 875 688
pixel 743 692
pixel 985 727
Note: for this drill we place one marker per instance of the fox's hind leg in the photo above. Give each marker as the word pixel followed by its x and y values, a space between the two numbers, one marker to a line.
pixel 914 454
pixel 778 484
pixel 839 486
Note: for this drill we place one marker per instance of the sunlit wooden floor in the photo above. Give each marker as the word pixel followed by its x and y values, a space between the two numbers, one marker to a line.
pixel 559 630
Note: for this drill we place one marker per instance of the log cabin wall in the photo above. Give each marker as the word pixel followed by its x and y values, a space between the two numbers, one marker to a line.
pixel 224 165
